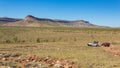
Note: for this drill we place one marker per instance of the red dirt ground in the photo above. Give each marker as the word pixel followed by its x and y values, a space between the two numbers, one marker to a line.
pixel 115 50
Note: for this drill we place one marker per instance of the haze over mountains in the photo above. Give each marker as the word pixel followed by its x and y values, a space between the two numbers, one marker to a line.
pixel 41 22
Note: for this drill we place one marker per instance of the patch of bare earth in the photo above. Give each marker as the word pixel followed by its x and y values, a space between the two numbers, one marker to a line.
pixel 33 60
pixel 115 50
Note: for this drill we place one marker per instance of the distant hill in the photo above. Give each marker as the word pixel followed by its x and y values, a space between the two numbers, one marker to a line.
pixel 39 22
pixel 4 20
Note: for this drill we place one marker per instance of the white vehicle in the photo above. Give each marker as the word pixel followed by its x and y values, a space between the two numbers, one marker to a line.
pixel 94 43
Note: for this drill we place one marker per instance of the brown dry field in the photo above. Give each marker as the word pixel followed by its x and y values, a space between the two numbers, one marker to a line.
pixel 56 43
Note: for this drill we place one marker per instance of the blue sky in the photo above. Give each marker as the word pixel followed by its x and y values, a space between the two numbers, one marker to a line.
pixel 99 12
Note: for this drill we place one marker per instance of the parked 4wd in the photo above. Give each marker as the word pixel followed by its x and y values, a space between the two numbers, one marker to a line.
pixel 94 43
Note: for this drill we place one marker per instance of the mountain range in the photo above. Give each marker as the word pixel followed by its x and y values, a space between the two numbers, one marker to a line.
pixel 30 20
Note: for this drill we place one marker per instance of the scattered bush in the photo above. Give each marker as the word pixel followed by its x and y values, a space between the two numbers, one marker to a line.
pixel 15 39
pixel 8 41
pixel 38 40
pixel 46 40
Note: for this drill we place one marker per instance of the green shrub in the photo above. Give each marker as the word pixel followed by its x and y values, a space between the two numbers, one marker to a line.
pixel 15 39
pixel 38 40
pixel 8 41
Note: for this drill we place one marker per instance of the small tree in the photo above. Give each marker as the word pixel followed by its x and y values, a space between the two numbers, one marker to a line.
pixel 38 40
pixel 7 41
pixel 15 39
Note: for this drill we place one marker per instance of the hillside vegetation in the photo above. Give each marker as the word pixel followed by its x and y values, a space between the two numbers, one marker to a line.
pixel 63 42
